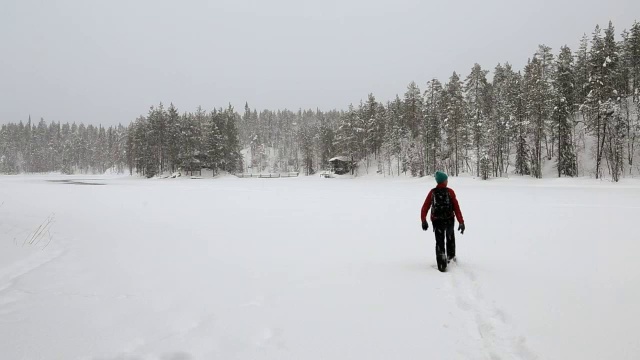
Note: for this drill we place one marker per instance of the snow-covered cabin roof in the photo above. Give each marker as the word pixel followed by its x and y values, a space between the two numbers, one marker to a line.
pixel 340 158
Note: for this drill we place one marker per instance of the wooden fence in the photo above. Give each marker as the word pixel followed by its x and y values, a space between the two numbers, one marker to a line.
pixel 269 176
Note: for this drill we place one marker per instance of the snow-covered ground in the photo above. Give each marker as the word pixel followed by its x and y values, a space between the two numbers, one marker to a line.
pixel 310 268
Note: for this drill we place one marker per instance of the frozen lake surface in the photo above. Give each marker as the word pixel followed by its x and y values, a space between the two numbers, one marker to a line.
pixel 311 268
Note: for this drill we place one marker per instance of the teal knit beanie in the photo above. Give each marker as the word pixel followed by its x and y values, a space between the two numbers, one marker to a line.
pixel 441 177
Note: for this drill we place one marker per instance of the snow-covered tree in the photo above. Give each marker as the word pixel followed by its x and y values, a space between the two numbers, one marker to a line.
pixel 564 84
pixel 477 95
pixel 454 116
pixel 433 115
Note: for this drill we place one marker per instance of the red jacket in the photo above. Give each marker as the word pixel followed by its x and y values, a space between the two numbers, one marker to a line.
pixel 429 200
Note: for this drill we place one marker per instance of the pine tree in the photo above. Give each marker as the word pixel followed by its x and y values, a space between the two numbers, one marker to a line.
pixel 232 159
pixel 327 138
pixel 563 112
pixel 601 105
pixel 454 111
pixel 412 110
pixel 547 68
pixel 307 136
pixel 591 107
pixel 377 131
pixel 190 143
pixel 521 127
pixel 476 94
pixel 582 70
pixel 368 119
pixel 395 135
pixel 433 113
pixel 536 95
pixel 173 138
pixel 631 48
pixel 615 124
pixel 368 114
pixel 213 142
pixel 347 136
pixel 505 91
pixel 157 137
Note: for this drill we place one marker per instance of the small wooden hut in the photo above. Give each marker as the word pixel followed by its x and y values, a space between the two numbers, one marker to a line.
pixel 341 165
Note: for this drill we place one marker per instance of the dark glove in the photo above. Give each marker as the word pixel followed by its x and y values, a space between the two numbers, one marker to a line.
pixel 461 228
pixel 425 226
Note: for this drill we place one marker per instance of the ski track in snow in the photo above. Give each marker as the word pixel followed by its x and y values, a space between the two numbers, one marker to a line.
pixel 487 324
pixel 11 274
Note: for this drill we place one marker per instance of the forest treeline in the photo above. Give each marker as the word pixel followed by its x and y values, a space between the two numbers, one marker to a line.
pixel 578 110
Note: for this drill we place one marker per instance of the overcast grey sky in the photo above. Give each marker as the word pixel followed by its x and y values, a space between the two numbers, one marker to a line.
pixel 108 61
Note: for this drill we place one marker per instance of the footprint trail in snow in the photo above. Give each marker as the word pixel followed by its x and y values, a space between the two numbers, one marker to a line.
pixel 492 333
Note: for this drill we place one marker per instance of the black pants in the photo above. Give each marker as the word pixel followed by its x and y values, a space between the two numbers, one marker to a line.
pixel 444 229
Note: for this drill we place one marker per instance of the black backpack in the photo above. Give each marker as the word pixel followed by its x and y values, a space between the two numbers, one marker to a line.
pixel 441 206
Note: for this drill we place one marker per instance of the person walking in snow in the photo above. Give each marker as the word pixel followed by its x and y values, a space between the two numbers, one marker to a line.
pixel 444 207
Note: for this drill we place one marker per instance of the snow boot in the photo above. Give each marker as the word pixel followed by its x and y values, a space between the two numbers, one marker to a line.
pixel 442 262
